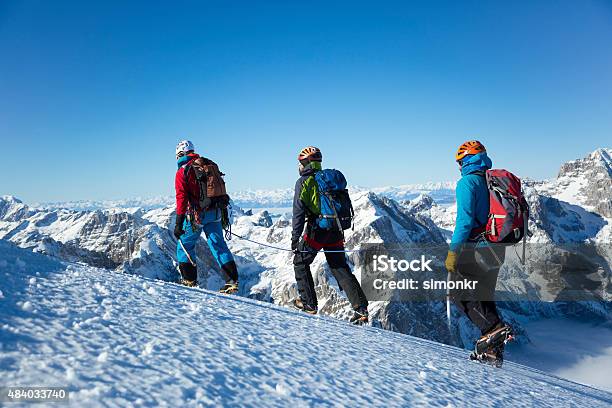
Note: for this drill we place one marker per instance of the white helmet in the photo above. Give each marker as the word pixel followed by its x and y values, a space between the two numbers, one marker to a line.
pixel 183 147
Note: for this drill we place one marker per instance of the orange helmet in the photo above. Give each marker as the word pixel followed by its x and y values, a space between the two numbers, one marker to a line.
pixel 468 148
pixel 310 153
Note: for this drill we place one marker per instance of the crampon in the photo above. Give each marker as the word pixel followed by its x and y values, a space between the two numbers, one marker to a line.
pixel 298 304
pixel 490 347
pixel 229 288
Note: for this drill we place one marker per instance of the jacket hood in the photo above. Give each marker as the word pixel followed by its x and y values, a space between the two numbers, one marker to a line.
pixel 475 162
pixel 310 168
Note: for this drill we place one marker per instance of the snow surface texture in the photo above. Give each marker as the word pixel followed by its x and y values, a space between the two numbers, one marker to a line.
pixel 119 340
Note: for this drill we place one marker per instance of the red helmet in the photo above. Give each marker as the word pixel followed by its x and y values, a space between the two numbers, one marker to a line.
pixel 468 148
pixel 310 153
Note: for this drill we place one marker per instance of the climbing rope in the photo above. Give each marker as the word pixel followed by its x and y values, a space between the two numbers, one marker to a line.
pixel 286 249
pixel 229 234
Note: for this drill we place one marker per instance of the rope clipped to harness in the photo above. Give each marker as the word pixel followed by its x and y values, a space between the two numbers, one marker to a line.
pixel 227 227
pixel 226 221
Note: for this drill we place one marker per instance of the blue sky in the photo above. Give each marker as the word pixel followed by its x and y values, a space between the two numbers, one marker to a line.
pixel 95 95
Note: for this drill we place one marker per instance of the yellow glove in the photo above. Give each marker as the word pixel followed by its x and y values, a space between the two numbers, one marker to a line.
pixel 451 262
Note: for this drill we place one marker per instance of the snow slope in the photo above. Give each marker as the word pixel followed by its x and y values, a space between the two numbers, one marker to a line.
pixel 116 340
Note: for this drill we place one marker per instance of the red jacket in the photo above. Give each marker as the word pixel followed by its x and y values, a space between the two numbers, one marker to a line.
pixel 187 191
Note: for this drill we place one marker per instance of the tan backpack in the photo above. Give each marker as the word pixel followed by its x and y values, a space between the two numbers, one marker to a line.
pixel 210 182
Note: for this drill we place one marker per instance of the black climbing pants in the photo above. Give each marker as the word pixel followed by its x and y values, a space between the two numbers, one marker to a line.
pixel 480 264
pixel 339 268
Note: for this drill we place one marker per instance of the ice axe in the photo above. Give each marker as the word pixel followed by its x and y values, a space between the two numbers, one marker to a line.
pixel 186 253
pixel 448 305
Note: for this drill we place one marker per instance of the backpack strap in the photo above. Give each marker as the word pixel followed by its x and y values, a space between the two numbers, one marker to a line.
pixel 482 173
pixel 186 168
pixel 477 232
pixel 310 181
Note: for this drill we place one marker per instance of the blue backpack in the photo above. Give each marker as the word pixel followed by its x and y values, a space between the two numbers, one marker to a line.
pixel 336 207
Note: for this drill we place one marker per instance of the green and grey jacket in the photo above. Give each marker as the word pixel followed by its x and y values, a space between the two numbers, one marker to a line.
pixel 306 202
pixel 306 210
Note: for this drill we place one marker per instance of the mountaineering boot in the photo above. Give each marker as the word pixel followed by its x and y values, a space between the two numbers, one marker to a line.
pixel 191 284
pixel 298 304
pixel 189 274
pixel 493 356
pixel 229 288
pixel 500 334
pixel 231 284
pixel 360 317
pixel 231 270
pixel 490 347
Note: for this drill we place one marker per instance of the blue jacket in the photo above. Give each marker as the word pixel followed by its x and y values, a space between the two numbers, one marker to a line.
pixel 472 198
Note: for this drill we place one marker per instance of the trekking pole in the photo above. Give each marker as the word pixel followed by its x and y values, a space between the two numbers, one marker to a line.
pixel 186 253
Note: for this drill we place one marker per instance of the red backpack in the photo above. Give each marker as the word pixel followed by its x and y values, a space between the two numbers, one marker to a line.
pixel 508 209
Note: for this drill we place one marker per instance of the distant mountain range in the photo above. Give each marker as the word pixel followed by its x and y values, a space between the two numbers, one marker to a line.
pixel 442 192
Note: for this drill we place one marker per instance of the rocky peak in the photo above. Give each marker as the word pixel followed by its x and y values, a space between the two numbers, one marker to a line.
pixel 12 209
pixel 597 163
pixel 423 202
pixel 588 181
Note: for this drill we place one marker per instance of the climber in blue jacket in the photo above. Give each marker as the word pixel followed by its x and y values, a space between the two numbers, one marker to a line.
pixel 473 258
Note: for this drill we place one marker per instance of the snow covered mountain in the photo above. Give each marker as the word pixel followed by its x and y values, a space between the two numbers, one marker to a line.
pixel 123 340
pixel 585 182
pixel 443 193
pixel 139 241
pixel 112 238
